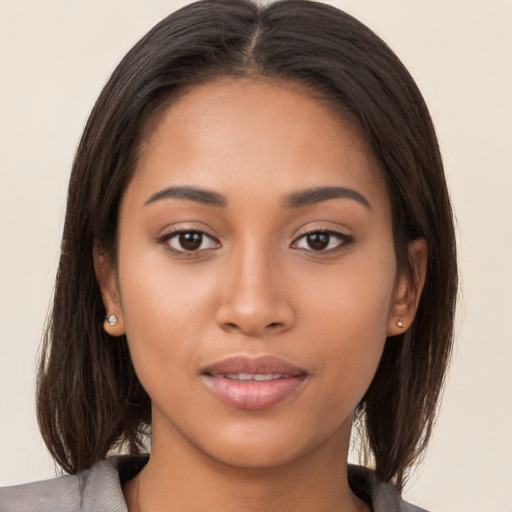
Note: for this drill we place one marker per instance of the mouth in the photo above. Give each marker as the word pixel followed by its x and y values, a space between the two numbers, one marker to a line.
pixel 259 377
pixel 253 383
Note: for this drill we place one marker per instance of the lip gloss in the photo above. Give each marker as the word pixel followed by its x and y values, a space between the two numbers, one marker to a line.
pixel 253 383
pixel 253 394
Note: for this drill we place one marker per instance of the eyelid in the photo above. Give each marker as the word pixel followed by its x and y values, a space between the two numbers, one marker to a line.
pixel 343 238
pixel 172 233
pixel 343 241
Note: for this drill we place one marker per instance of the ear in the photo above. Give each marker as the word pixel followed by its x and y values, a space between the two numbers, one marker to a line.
pixel 408 289
pixel 106 275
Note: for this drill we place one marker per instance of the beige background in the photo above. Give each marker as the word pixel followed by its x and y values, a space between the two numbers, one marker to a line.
pixel 55 56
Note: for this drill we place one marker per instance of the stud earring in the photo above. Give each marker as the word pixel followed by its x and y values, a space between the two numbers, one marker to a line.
pixel 111 320
pixel 400 323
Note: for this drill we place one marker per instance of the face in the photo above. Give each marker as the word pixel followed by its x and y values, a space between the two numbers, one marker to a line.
pixel 256 277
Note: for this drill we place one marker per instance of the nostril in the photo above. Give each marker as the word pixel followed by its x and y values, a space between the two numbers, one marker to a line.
pixel 233 326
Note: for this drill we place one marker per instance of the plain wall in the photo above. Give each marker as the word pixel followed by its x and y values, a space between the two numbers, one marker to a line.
pixel 56 55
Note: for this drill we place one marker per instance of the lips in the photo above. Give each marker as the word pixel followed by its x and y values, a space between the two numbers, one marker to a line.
pixel 253 383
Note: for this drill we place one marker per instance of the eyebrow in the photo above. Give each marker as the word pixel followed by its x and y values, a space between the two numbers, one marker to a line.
pixel 198 195
pixel 296 200
pixel 317 195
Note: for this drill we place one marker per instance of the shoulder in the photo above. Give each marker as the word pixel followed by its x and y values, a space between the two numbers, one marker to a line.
pixel 58 494
pixel 91 490
pixel 383 496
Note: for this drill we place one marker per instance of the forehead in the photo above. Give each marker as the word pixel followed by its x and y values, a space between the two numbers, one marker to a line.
pixel 236 131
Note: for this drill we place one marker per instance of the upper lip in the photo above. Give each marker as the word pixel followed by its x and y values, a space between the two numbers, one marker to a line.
pixel 255 365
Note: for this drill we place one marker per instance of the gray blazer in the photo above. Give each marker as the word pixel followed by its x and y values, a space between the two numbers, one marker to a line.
pixel 99 490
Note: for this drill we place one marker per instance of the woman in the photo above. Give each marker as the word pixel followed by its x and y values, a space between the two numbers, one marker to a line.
pixel 258 253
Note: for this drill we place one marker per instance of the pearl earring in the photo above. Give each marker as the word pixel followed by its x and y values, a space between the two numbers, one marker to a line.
pixel 400 323
pixel 111 320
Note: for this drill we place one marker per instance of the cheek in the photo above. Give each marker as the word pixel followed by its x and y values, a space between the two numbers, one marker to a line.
pixel 352 298
pixel 348 315
pixel 165 313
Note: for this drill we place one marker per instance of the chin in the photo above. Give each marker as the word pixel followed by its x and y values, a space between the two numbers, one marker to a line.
pixel 267 446
pixel 254 456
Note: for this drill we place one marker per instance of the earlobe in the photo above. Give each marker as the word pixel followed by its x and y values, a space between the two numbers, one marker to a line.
pixel 105 270
pixel 409 288
pixel 113 325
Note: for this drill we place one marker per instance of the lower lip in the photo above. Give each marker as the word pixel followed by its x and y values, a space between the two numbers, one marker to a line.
pixel 250 394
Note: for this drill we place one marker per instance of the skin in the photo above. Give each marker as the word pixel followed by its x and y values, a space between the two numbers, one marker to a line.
pixel 254 287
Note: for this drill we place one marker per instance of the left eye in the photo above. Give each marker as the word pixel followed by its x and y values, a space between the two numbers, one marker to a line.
pixel 321 241
pixel 191 241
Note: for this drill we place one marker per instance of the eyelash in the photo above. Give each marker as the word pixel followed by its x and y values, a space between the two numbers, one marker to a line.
pixel 343 241
pixel 167 238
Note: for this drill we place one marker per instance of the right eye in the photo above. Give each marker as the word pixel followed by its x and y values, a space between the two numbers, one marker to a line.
pixel 323 241
pixel 190 241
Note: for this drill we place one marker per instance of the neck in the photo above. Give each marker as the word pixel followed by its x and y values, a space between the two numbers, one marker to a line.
pixel 179 477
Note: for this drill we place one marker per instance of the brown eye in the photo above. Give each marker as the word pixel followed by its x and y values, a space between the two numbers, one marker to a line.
pixel 191 241
pixel 323 241
pixel 318 241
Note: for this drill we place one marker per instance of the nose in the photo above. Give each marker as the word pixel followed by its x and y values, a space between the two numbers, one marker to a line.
pixel 255 299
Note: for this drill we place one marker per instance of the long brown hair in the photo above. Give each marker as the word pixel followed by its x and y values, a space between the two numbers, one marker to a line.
pixel 90 402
